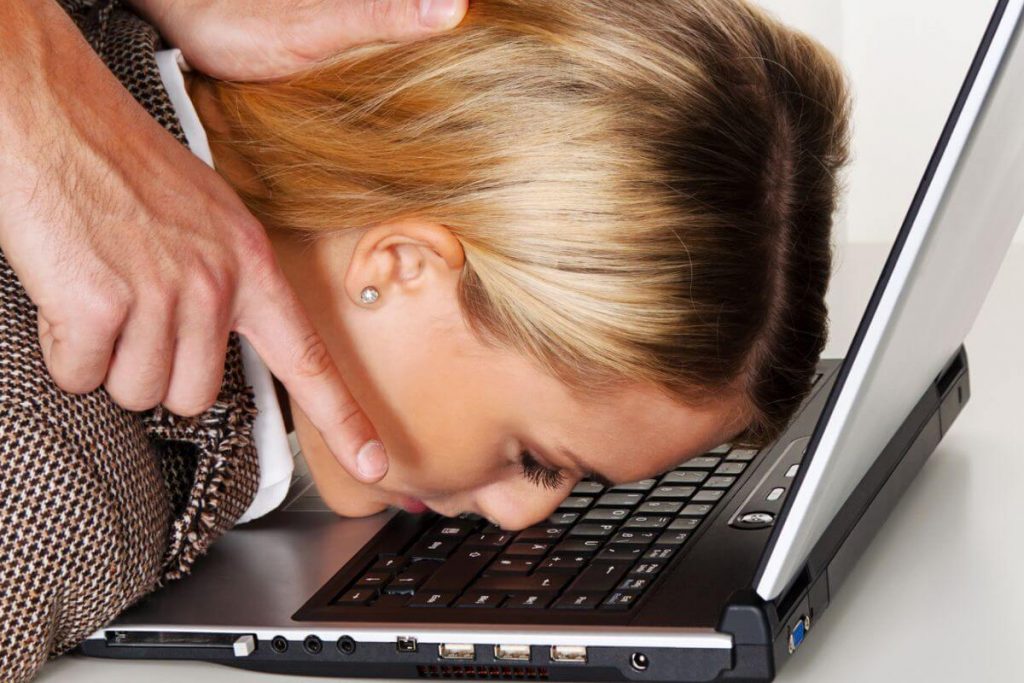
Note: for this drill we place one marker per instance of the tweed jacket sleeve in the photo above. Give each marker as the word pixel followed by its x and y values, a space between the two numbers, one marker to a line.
pixel 100 505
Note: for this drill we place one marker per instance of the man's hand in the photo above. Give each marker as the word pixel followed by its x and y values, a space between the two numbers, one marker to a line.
pixel 139 257
pixel 245 40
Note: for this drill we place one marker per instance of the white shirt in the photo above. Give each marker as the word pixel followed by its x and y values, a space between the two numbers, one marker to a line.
pixel 273 446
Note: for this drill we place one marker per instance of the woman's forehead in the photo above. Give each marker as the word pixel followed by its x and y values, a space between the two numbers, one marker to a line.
pixel 638 431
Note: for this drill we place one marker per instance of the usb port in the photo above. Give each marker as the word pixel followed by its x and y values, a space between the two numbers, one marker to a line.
pixel 568 653
pixel 514 652
pixel 456 651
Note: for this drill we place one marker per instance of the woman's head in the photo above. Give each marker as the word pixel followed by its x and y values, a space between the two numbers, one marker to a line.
pixel 632 201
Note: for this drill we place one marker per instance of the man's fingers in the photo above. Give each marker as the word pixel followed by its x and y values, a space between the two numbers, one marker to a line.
pixel 369 21
pixel 77 354
pixel 141 364
pixel 273 321
pixel 197 371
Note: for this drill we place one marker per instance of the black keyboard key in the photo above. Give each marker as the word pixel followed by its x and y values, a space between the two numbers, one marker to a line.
pixel 481 599
pixel 601 576
pixel 663 552
pixel 684 524
pixel 512 565
pixel 633 584
pixel 731 468
pixel 578 600
pixel 563 518
pixel 642 485
pixel 646 569
pixel 619 500
pixel 741 455
pixel 357 596
pixel 619 600
pixel 433 548
pixel 538 600
pixel 684 477
pixel 527 550
pixel 488 541
pixel 587 488
pixel 704 462
pixel 575 503
pixel 606 514
pixel 391 601
pixel 460 569
pixel 593 529
pixel 647 522
pixel 373 579
pixel 696 510
pixel 453 528
pixel 389 563
pixel 633 537
pixel 718 482
pixel 540 533
pixel 707 496
pixel 579 545
pixel 673 492
pixel 515 583
pixel 623 553
pixel 431 599
pixel 672 538
pixel 660 507
pixel 558 562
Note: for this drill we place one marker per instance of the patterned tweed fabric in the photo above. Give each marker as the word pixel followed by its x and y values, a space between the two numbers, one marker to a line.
pixel 100 505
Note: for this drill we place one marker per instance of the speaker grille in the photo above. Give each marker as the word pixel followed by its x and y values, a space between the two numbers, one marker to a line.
pixel 522 673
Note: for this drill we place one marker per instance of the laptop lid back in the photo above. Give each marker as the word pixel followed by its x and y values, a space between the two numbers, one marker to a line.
pixel 945 257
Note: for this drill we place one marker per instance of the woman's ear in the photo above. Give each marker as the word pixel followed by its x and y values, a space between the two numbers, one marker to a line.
pixel 401 257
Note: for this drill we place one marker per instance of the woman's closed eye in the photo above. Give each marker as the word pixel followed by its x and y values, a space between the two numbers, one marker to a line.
pixel 539 474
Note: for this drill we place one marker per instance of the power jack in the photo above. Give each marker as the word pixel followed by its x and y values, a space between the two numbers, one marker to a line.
pixel 639 661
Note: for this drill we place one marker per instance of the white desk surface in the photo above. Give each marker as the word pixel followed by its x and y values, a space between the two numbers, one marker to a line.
pixel 937 596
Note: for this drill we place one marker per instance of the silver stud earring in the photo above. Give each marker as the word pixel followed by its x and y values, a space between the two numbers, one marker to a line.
pixel 369 294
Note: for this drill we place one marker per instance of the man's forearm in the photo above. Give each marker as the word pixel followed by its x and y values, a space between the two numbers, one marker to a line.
pixel 47 68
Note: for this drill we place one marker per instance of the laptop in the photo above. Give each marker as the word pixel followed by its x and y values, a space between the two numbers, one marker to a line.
pixel 717 570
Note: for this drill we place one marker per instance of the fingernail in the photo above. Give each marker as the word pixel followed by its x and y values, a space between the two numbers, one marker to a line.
pixel 439 13
pixel 371 460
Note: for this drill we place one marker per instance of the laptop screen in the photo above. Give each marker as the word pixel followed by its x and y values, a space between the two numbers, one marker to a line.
pixel 961 221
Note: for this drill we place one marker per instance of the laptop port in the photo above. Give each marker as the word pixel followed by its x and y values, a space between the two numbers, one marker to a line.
pixel 346 645
pixel 456 651
pixel 405 644
pixel 313 645
pixel 519 653
pixel 279 644
pixel 568 653
pixel 798 633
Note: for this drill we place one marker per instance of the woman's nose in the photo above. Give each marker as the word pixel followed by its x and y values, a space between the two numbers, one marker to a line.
pixel 515 513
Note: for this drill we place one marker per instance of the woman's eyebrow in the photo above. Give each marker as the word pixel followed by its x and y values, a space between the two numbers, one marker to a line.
pixel 596 476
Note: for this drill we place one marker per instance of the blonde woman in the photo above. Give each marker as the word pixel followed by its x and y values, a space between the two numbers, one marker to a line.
pixel 589 237
pixel 595 236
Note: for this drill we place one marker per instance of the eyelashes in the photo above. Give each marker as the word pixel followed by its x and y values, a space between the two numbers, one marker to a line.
pixel 538 474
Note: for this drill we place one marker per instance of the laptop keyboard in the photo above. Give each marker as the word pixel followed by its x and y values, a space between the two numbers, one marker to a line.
pixel 601 549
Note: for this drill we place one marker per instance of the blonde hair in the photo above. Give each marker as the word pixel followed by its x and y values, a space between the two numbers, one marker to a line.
pixel 644 190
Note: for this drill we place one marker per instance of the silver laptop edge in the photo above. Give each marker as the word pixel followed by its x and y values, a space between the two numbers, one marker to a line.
pixel 952 251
